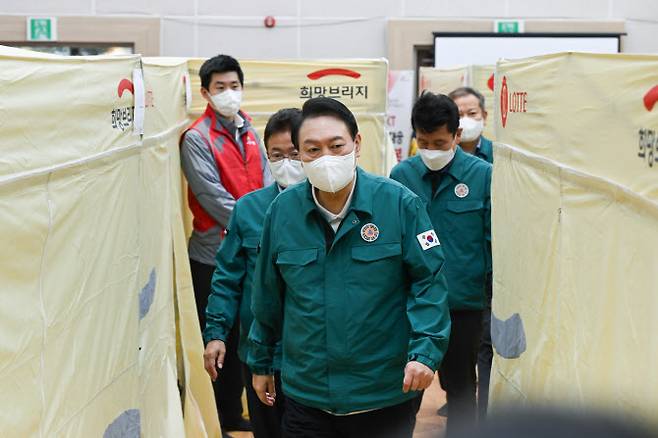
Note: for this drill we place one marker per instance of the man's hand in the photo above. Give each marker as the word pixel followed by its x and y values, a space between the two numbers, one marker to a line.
pixel 417 376
pixel 264 387
pixel 213 357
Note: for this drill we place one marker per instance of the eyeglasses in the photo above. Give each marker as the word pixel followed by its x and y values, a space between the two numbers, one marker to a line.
pixel 277 156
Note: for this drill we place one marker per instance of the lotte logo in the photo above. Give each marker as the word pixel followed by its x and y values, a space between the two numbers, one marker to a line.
pixel 511 102
pixel 504 102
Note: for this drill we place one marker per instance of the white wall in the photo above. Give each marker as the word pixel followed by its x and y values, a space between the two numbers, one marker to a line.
pixel 334 28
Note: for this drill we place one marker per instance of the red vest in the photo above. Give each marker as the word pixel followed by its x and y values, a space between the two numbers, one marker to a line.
pixel 239 175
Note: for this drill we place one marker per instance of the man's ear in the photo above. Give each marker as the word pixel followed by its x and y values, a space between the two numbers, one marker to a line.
pixel 357 145
pixel 484 116
pixel 458 136
pixel 205 94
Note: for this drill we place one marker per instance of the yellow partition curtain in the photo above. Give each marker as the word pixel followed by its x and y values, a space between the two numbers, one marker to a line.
pixel 166 118
pixel 90 219
pixel 481 77
pixel 575 232
pixel 445 80
pixel 442 80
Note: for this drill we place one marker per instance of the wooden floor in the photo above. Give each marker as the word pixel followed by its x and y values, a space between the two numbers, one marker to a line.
pixel 428 424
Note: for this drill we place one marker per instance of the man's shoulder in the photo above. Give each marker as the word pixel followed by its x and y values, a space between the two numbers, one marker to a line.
pixel 258 197
pixel 476 164
pixel 486 149
pixel 405 165
pixel 290 196
pixel 386 188
pixel 193 136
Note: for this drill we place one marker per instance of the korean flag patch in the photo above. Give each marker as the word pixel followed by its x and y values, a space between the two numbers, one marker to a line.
pixel 428 240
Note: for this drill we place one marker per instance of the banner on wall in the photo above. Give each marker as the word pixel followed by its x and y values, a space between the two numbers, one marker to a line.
pixel 359 84
pixel 400 103
pixel 575 232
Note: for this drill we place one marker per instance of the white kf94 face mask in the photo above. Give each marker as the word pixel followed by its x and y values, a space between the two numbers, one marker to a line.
pixel 471 128
pixel 331 173
pixel 287 172
pixel 436 159
pixel 227 102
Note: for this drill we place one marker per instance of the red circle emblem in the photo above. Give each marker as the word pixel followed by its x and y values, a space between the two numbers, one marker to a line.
pixel 504 101
pixel 369 232
pixel 461 190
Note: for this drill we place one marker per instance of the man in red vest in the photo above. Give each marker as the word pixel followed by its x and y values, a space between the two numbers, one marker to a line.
pixel 222 161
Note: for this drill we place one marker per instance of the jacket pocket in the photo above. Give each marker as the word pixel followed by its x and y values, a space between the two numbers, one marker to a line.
pixel 297 257
pixel 371 253
pixel 465 216
pixel 464 206
pixel 302 273
pixel 375 268
pixel 250 243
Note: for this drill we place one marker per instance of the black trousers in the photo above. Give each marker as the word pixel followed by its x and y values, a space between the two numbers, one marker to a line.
pixel 301 421
pixel 485 356
pixel 229 385
pixel 265 420
pixel 457 372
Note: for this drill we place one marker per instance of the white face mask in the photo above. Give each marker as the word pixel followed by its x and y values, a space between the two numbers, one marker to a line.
pixel 436 159
pixel 287 172
pixel 471 128
pixel 228 102
pixel 330 173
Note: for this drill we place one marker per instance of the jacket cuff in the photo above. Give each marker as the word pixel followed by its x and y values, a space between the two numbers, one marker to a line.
pixel 261 371
pixel 425 360
pixel 259 361
pixel 214 334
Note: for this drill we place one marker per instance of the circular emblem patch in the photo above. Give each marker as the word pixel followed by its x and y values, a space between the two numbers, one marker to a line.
pixel 369 232
pixel 461 190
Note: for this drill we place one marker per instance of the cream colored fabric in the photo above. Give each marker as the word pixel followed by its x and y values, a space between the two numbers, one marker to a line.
pixel 445 80
pixel 166 79
pixel 442 80
pixel 575 231
pixel 90 220
pixel 481 78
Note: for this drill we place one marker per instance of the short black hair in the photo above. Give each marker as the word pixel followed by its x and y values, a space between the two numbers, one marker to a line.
pixel 325 106
pixel 432 111
pixel 219 64
pixel 467 91
pixel 281 121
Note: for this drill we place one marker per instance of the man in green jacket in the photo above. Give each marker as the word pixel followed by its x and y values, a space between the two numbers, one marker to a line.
pixel 472 118
pixel 349 280
pixel 230 297
pixel 454 187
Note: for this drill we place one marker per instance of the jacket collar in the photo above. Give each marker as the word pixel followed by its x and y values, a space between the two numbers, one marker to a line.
pixel 456 169
pixel 485 149
pixel 361 199
pixel 220 124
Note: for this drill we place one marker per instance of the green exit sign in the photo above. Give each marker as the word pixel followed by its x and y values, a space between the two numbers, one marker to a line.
pixel 508 26
pixel 41 29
